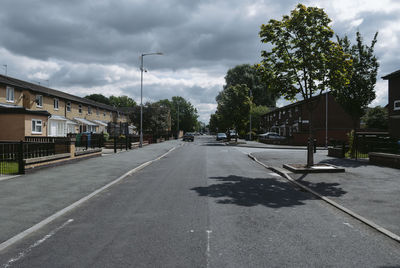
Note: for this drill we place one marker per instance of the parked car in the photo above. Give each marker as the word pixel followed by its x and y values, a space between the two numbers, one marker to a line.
pixel 221 136
pixel 272 136
pixel 232 134
pixel 188 136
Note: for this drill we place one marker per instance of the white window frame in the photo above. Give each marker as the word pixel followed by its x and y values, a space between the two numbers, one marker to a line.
pixel 39 101
pixel 36 121
pixel 68 106
pixel 10 94
pixel 80 108
pixel 89 110
pixel 56 104
pixel 396 102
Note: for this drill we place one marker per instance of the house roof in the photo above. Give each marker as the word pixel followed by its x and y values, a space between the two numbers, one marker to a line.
pixel 14 109
pixel 391 75
pixel 85 121
pixel 7 80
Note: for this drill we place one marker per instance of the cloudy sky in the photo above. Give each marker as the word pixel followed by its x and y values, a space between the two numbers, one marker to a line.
pixel 93 46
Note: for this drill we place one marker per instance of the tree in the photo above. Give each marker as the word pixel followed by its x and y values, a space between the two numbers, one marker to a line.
pixel 122 101
pixel 262 92
pixel 234 107
pixel 303 60
pixel 256 116
pixel 156 118
pixel 360 92
pixel 99 98
pixel 187 114
pixel 376 118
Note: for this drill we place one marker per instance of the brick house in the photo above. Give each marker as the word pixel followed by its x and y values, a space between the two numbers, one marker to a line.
pixel 330 121
pixel 54 112
pixel 394 103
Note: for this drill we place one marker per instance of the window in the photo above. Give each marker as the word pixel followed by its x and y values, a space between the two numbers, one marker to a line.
pixel 290 113
pixel 80 108
pixel 39 100
pixel 97 111
pixel 69 106
pixel 280 115
pixel 36 126
pixel 55 104
pixel 10 94
pixel 110 114
pixel 89 110
pixel 104 113
pixel 396 105
pixel 296 109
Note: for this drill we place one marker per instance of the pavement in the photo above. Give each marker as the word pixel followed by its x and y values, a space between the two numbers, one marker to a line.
pixel 256 144
pixel 41 193
pixel 370 191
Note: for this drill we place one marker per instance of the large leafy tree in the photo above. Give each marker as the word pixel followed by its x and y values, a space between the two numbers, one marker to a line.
pixel 302 59
pixel 99 98
pixel 122 101
pixel 187 114
pixel 233 107
pixel 376 118
pixel 355 96
pixel 262 92
pixel 156 118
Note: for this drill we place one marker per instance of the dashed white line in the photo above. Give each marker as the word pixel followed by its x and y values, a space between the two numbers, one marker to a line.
pixel 26 251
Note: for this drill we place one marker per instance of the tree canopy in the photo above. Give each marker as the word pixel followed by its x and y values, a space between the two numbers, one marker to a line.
pixel 376 118
pixel 187 114
pixel 302 59
pixel 248 75
pixel 355 96
pixel 117 101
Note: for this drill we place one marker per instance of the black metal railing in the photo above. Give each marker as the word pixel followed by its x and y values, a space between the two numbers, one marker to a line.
pixel 13 153
pixel 367 142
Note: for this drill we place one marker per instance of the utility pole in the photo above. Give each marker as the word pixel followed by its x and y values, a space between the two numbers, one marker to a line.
pixel 177 135
pixel 250 116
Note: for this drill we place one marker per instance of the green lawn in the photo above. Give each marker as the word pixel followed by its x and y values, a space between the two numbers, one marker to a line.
pixel 8 168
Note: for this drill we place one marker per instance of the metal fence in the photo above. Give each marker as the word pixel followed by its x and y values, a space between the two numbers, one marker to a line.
pixel 13 153
pixel 380 142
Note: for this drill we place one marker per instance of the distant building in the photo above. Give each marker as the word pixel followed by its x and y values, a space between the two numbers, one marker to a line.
pixel 28 109
pixel 394 103
pixel 292 121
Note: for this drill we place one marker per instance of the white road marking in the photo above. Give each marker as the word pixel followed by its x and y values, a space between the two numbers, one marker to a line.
pixel 51 218
pixel 208 254
pixel 348 224
pixel 26 251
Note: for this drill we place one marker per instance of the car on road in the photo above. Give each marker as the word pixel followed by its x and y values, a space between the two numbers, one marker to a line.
pixel 232 134
pixel 272 137
pixel 221 136
pixel 188 136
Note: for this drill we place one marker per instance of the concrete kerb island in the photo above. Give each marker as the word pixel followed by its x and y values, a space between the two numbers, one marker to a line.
pixel 284 174
pixel 319 168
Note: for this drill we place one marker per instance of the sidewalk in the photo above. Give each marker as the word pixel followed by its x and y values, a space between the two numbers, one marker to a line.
pixel 255 144
pixel 28 199
pixel 368 190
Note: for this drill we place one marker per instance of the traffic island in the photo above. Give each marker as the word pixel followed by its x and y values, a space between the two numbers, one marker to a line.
pixel 318 168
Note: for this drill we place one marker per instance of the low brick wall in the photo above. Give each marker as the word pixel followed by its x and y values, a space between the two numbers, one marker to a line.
pixel 336 152
pixel 384 159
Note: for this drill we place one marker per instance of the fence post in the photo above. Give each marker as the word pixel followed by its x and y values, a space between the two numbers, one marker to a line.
pixel 21 164
pixel 115 142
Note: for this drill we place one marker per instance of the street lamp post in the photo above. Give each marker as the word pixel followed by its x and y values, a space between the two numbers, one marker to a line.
pixel 141 94
pixel 250 117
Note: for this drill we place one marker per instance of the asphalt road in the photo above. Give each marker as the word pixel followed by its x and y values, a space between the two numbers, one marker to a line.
pixel 204 205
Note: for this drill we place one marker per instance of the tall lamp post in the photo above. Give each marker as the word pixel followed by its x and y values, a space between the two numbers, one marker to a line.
pixel 141 93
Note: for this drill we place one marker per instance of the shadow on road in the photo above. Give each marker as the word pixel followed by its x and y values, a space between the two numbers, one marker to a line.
pixel 349 163
pixel 267 192
pixel 323 188
pixel 213 144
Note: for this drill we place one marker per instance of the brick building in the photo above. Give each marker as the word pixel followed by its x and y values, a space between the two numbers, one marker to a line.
pixel 330 121
pixel 42 111
pixel 394 103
